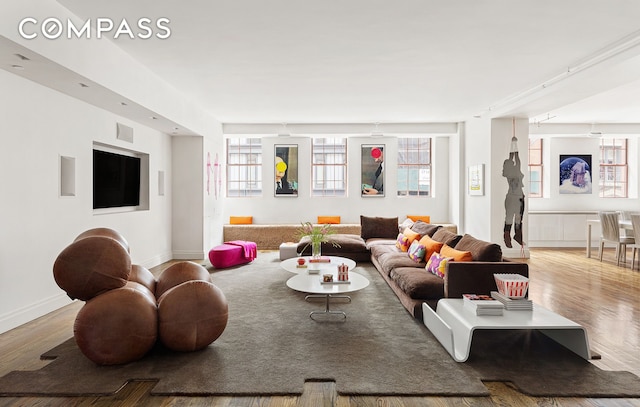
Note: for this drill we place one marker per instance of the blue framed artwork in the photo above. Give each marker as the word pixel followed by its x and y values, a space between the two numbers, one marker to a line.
pixel 575 174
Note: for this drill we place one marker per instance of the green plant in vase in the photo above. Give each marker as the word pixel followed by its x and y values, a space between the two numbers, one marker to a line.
pixel 317 234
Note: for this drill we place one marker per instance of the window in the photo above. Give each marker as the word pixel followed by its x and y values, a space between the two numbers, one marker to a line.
pixel 244 167
pixel 414 166
pixel 613 168
pixel 535 168
pixel 329 167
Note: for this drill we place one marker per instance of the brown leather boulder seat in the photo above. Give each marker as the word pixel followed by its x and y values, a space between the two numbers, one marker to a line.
pixel 127 310
pixel 192 312
pixel 143 276
pixel 118 326
pixel 191 315
pixel 179 273
pixel 105 232
pixel 91 266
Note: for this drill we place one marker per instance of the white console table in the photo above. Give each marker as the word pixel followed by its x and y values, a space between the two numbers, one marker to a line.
pixel 453 325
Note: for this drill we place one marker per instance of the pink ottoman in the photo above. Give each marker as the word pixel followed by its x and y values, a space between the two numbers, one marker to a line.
pixel 232 254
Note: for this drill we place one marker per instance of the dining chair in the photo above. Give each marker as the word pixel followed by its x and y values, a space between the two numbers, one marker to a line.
pixel 611 234
pixel 635 221
pixel 626 215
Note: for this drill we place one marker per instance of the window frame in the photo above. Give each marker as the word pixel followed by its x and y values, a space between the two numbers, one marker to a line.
pixel 319 187
pixel 539 167
pixel 613 168
pixel 403 167
pixel 251 167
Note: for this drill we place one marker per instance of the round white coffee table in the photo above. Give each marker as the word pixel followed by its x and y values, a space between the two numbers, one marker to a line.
pixel 291 265
pixel 312 284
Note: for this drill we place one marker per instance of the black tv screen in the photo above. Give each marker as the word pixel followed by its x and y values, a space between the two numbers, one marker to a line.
pixel 116 180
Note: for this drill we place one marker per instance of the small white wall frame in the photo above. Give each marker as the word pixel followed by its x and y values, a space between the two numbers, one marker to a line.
pixel 161 183
pixel 476 179
pixel 67 176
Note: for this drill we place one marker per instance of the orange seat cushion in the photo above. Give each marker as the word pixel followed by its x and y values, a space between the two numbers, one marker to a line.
pixel 424 218
pixel 241 220
pixel 329 219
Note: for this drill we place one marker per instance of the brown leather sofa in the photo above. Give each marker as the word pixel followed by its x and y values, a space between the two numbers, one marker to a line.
pixel 408 279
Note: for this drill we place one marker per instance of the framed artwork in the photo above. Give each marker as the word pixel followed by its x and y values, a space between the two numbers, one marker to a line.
pixel 575 174
pixel 286 170
pixel 476 179
pixel 372 170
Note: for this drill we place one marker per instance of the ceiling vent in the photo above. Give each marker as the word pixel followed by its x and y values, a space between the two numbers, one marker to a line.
pixel 285 132
pixel 376 131
pixel 593 133
pixel 124 133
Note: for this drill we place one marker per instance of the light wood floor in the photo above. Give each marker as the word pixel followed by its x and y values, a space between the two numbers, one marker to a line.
pixel 601 296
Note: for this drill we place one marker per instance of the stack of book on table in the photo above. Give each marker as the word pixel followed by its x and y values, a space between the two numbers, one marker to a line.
pixel 513 304
pixel 321 259
pixel 482 304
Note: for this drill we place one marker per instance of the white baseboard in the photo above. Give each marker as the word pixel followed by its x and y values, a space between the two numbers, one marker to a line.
pixel 516 253
pixel 188 255
pixel 30 312
pixel 560 243
pixel 156 260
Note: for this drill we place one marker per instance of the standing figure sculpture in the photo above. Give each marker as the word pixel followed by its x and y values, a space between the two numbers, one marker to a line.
pixel 514 201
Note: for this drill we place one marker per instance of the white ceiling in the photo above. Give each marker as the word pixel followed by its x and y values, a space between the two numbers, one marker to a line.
pixel 368 61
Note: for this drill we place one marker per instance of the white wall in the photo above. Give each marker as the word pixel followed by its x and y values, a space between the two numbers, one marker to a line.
pixel 187 183
pixel 269 209
pixel 197 210
pixel 214 194
pixel 38 126
pixel 477 208
pixel 553 147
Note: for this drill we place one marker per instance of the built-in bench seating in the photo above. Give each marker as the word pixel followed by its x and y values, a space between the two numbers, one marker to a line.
pixel 269 237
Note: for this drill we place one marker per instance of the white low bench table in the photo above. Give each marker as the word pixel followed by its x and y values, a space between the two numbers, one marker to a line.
pixel 453 326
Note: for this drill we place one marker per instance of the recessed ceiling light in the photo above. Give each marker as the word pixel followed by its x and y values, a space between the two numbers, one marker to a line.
pixel 123 103
pixel 83 85
pixel 18 67
pixel 153 118
pixel 22 57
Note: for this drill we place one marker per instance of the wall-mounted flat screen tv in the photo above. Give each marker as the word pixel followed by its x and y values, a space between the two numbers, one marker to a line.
pixel 116 180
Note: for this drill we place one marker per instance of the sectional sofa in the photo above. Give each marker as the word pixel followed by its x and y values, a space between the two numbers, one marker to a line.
pixel 463 264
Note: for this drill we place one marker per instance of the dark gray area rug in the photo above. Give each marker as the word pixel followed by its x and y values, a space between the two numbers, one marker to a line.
pixel 272 347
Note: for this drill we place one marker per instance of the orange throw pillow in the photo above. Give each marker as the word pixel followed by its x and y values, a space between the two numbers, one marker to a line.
pixel 431 246
pixel 457 255
pixel 411 235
